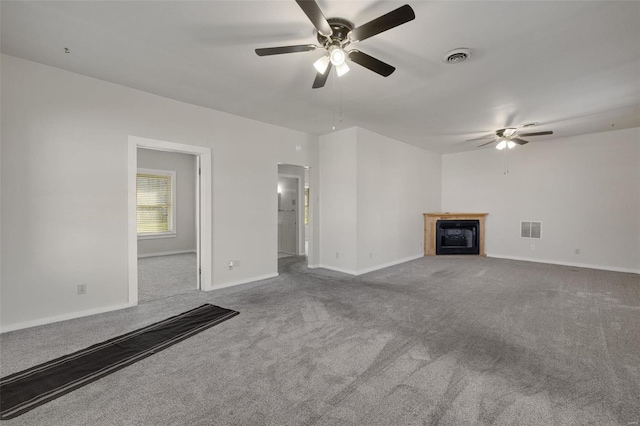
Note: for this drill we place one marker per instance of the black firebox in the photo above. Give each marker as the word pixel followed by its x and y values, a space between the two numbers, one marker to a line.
pixel 457 237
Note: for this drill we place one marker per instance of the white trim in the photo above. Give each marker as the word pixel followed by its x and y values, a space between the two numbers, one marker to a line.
pixel 205 209
pixel 388 264
pixel 333 268
pixel 244 281
pixel 198 215
pixel 575 264
pixel 157 235
pixel 63 317
pixel 165 253
pixel 370 269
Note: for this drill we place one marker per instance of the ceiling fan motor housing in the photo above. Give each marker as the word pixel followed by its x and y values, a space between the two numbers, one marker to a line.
pixel 340 29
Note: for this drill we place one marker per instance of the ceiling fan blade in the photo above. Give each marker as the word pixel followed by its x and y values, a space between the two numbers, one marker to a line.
pixel 321 79
pixel 313 12
pixel 536 133
pixel 490 135
pixel 285 49
pixel 383 23
pixel 485 144
pixel 371 63
pixel 519 141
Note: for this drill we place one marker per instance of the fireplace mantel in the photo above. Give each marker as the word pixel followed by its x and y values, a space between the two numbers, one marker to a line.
pixel 430 220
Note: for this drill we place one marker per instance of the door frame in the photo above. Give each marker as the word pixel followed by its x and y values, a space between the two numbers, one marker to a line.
pixel 203 209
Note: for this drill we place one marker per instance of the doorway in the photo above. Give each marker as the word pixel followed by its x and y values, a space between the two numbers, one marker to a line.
pixel 167 184
pixel 287 216
pixel 203 210
pixel 293 210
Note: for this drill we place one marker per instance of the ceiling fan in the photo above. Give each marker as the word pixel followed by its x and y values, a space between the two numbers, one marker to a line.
pixel 508 137
pixel 336 34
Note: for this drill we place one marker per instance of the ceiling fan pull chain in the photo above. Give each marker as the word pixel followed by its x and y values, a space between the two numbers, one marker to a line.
pixel 333 90
pixel 340 99
pixel 506 161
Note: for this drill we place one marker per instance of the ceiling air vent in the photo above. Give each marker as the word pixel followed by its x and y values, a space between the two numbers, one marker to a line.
pixel 456 56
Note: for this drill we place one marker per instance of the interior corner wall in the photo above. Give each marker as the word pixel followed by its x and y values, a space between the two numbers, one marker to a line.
pixel 584 189
pixel 337 201
pixel 64 177
pixel 185 167
pixel 397 183
pixel 374 191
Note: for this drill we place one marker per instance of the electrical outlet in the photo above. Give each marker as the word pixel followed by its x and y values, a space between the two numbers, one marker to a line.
pixel 533 247
pixel 337 255
pixel 82 289
pixel 231 264
pixel 370 255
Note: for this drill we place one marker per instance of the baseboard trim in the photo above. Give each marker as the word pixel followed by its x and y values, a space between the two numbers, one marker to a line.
pixel 244 281
pixel 371 268
pixel 388 264
pixel 166 253
pixel 63 317
pixel 333 268
pixel 574 264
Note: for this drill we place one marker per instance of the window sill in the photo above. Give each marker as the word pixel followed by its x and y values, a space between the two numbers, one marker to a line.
pixel 158 235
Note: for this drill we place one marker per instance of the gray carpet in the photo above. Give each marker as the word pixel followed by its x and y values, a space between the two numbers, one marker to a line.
pixel 165 276
pixel 444 340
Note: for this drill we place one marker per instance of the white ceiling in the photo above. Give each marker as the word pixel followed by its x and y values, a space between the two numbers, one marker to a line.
pixel 573 66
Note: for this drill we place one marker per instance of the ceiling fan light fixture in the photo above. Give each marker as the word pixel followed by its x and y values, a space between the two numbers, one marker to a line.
pixel 337 55
pixel 322 64
pixel 509 131
pixel 505 143
pixel 342 69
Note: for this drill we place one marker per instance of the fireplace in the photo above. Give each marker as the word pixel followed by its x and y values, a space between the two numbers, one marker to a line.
pixel 457 237
pixel 432 233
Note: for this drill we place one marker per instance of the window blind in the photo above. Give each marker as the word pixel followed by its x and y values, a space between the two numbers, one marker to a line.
pixel 154 203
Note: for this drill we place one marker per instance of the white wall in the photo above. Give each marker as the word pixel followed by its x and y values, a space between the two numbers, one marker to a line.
pixel 64 188
pixel 185 167
pixel 397 183
pixel 585 190
pixel 374 191
pixel 337 200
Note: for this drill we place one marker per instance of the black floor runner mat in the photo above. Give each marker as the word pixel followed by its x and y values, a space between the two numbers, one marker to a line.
pixel 25 390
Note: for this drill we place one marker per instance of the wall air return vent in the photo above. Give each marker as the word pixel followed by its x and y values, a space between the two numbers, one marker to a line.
pixel 530 229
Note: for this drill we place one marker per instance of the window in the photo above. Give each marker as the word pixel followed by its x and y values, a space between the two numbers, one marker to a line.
pixel 306 205
pixel 155 194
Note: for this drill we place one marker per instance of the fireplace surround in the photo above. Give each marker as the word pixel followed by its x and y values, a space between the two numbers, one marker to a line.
pixel 457 238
